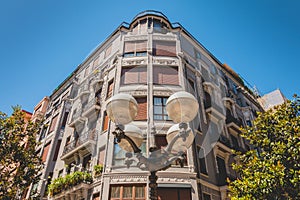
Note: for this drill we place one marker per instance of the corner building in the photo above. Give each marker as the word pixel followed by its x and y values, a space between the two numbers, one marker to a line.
pixel 150 58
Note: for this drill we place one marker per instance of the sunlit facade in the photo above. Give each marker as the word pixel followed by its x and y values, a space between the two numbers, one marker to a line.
pixel 150 58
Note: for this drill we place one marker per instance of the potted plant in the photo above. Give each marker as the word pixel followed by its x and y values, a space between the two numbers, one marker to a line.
pixel 98 170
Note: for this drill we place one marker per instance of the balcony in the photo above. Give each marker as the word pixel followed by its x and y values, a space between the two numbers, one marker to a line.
pixel 72 186
pixel 233 122
pixel 224 140
pixel 77 118
pixel 91 107
pixel 83 144
pixel 83 90
pixel 212 108
pixel 97 77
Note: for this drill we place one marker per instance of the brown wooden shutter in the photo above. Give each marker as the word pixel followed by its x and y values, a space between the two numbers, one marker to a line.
pixel 105 122
pixel 170 76
pixel 157 75
pixel 164 48
pixel 45 152
pixel 110 89
pixel 130 75
pixel 141 46
pixel 165 75
pixel 143 75
pixel 129 47
pixel 101 156
pixel 142 109
pixel 56 150
pixel 53 123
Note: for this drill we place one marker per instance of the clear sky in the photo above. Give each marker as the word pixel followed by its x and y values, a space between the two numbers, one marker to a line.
pixel 43 41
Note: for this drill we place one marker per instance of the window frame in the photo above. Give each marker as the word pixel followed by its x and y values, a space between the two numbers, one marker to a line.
pixel 163 105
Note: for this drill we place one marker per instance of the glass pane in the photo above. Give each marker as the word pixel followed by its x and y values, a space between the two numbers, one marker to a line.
pixel 165 101
pixel 127 191
pixel 157 101
pixel 115 192
pixel 158 110
pixel 158 117
pixel 139 192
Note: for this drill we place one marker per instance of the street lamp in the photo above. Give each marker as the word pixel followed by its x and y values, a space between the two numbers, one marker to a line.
pixel 182 107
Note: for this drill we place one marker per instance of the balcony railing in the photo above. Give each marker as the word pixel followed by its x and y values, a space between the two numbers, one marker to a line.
pixel 83 140
pixel 231 119
pixel 91 106
pixel 76 117
pixel 224 140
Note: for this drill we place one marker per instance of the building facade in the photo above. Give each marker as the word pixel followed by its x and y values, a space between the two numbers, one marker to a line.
pixel 150 58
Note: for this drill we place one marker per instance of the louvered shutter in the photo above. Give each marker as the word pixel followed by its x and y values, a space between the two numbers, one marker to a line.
pixel 164 48
pixel 45 152
pixel 142 109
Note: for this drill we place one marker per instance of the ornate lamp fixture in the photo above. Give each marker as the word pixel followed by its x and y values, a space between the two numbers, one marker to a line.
pixel 182 107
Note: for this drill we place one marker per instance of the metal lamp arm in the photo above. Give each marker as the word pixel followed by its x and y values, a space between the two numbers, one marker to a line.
pixel 119 135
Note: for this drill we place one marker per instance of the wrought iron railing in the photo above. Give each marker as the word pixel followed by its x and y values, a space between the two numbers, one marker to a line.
pixel 90 135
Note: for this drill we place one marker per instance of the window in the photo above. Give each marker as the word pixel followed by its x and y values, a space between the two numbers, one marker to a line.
pixel 45 152
pixel 56 150
pixel 206 196
pixel 142 109
pixel 86 162
pixel 110 89
pixel 159 108
pixel 120 154
pixel 53 123
pixel 222 175
pixel 136 48
pixel 101 155
pixel 63 124
pixel 202 161
pixel 164 48
pixel 134 75
pixel 197 54
pixel 235 142
pixel 105 122
pixel 165 75
pixel 128 192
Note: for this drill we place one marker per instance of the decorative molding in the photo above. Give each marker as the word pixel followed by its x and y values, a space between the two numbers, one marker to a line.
pixel 116 179
pixel 165 61
pixel 134 61
pixel 163 37
pixel 136 37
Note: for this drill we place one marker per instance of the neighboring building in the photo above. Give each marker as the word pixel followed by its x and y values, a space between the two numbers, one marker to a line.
pixel 272 99
pixel 150 58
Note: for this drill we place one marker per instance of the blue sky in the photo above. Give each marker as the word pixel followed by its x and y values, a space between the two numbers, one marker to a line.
pixel 42 42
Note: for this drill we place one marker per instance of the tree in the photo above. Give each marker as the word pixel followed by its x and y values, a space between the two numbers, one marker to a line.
pixel 272 171
pixel 19 162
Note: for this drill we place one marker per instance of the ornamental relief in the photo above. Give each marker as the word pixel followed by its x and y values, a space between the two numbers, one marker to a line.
pixel 135 61
pixel 160 37
pixel 164 61
pixel 125 179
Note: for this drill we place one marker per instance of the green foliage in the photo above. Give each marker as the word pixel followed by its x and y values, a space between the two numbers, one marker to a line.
pixel 70 180
pixel 19 162
pixel 274 172
pixel 98 169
